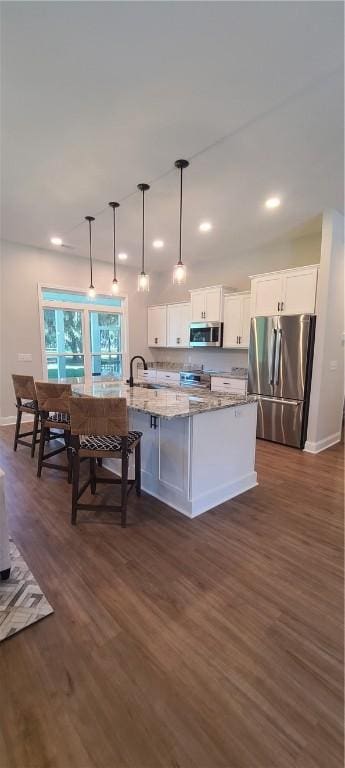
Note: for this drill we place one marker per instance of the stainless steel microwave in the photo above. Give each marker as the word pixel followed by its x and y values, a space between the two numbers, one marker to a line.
pixel 206 334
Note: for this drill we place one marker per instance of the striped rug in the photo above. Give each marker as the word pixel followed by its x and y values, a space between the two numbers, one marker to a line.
pixel 22 601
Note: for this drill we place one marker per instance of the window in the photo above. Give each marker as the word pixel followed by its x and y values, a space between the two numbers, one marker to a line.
pixel 83 337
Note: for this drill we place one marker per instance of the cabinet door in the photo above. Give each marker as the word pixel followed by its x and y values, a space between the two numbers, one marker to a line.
pixel 232 320
pixel 198 306
pixel 213 304
pixel 299 292
pixel 266 294
pixel 172 324
pixel 149 442
pixel 245 321
pixel 157 334
pixel 178 320
pixel 184 320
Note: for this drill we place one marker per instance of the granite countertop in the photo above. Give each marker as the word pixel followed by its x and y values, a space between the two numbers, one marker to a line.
pixel 229 374
pixel 165 402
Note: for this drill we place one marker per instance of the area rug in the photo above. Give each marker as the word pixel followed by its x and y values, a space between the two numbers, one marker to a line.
pixel 22 601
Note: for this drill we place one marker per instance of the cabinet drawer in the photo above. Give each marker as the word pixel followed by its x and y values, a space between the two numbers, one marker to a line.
pixel 232 386
pixel 149 375
pixel 172 377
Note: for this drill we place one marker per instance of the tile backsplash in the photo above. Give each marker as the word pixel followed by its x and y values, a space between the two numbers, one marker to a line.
pixel 213 359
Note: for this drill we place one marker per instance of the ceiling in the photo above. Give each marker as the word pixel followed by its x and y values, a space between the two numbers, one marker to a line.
pixel 98 96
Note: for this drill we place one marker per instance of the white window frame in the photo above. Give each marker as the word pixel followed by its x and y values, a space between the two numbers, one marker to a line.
pixel 85 310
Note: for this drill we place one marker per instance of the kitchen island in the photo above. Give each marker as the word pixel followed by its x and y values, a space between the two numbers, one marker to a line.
pixel 198 447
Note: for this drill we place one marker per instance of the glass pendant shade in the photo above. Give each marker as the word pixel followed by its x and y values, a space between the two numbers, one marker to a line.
pixel 143 282
pixel 143 278
pixel 179 273
pixel 91 292
pixel 115 286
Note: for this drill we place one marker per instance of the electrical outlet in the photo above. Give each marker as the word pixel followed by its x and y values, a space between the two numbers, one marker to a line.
pixel 24 357
pixel 333 365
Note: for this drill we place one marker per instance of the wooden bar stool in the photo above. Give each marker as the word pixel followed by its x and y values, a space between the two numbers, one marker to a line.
pixel 53 404
pixel 99 428
pixel 26 402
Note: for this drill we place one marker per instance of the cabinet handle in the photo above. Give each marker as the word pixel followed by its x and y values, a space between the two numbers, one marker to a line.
pixel 178 340
pixel 239 339
pixel 282 306
pixel 278 306
pixel 156 340
pixel 153 422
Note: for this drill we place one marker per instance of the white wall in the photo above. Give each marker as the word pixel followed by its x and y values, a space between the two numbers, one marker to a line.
pixel 232 271
pixel 22 268
pixel 327 392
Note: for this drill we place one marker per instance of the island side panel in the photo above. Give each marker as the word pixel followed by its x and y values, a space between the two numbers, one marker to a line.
pixel 165 454
pixel 222 460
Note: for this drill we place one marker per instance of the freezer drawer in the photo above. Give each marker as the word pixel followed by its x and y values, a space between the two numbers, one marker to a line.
pixel 281 421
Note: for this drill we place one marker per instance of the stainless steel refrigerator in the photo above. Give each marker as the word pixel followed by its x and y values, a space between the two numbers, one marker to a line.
pixel 280 369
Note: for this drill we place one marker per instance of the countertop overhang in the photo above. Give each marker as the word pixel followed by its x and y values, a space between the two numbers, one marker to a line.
pixel 165 402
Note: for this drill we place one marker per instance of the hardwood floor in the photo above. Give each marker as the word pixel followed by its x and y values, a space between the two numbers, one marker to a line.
pixel 212 643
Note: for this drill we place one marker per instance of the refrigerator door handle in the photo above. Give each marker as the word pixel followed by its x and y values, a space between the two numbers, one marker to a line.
pixel 277 360
pixel 273 347
pixel 279 400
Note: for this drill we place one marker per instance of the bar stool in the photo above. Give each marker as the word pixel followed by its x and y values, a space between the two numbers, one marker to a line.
pixel 26 402
pixel 53 404
pixel 99 428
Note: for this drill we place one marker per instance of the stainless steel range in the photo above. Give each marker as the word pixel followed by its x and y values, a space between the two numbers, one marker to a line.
pixel 195 379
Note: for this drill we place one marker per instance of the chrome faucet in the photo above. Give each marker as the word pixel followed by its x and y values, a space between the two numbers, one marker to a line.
pixel 130 381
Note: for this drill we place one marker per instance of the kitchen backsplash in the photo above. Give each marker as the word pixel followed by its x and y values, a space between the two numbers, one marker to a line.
pixel 213 359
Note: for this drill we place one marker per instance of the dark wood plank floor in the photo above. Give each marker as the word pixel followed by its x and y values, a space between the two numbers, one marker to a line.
pixel 213 643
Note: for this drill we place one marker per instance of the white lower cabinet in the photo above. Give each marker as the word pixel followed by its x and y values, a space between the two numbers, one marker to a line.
pixel 178 466
pixel 230 386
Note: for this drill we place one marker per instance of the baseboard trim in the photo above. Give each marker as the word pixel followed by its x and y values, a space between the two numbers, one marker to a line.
pixel 322 445
pixel 6 421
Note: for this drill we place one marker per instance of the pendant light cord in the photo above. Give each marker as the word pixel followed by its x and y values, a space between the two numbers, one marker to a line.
pixel 143 243
pixel 180 251
pixel 90 251
pixel 114 243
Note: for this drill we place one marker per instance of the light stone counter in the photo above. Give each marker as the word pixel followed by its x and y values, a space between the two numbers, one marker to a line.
pixel 168 402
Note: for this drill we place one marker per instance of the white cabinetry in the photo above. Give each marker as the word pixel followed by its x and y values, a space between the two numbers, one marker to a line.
pixel 236 320
pixel 289 292
pixel 228 385
pixel 178 320
pixel 157 326
pixel 207 304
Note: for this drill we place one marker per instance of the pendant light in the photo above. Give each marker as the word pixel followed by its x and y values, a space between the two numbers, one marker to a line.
pixel 143 278
pixel 179 274
pixel 91 291
pixel 115 283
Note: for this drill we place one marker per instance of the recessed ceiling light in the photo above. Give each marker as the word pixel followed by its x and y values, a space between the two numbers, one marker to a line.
pixel 123 256
pixel 272 202
pixel 158 243
pixel 205 226
pixel 56 240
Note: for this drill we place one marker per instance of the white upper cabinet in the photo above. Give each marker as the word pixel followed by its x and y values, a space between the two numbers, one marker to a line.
pixel 236 320
pixel 289 292
pixel 178 320
pixel 266 295
pixel 246 299
pixel 207 304
pixel 157 326
pixel 299 291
